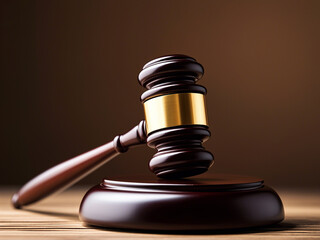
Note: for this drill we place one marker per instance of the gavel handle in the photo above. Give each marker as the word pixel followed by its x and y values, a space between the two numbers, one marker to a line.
pixel 71 171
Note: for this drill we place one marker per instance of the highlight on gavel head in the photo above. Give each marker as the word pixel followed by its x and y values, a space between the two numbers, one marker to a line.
pixel 175 116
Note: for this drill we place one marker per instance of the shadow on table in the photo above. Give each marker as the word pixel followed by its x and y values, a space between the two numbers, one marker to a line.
pixel 69 216
pixel 284 226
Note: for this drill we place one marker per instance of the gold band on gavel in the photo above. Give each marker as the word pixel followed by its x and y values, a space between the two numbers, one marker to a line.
pixel 175 110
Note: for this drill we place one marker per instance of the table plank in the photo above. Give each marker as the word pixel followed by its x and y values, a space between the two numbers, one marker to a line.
pixel 57 218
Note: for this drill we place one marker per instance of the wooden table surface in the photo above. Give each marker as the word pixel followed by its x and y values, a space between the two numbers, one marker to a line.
pixel 57 218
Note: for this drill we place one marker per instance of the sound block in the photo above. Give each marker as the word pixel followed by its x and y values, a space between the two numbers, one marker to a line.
pixel 209 202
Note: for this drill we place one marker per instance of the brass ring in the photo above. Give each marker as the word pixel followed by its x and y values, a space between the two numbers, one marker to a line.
pixel 175 110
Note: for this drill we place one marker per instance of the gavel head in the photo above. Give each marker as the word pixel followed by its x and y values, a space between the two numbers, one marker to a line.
pixel 175 115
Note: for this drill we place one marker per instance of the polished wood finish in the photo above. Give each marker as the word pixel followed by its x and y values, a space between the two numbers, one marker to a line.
pixel 180 152
pixel 57 218
pixel 209 202
pixel 71 171
pixel 179 149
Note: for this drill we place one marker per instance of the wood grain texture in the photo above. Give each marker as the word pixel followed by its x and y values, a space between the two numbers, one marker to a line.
pixel 57 218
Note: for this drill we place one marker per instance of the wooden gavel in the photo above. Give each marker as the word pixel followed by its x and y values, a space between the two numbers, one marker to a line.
pixel 175 124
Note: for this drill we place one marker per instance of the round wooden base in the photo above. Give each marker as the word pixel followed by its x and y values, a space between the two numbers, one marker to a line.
pixel 209 202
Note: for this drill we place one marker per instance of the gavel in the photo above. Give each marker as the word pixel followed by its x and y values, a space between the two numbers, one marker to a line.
pixel 175 125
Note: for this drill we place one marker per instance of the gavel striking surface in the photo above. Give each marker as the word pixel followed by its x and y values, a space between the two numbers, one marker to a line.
pixel 208 202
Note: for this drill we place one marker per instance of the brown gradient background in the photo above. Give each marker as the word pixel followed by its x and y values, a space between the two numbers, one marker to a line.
pixel 69 82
